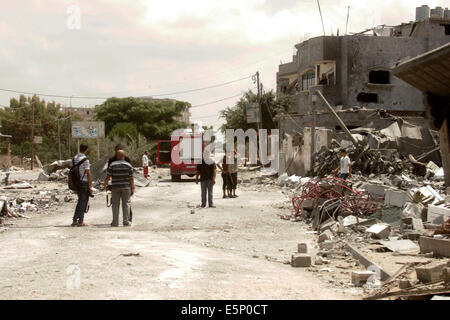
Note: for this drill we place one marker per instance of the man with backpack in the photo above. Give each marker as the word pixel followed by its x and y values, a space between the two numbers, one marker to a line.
pixel 80 181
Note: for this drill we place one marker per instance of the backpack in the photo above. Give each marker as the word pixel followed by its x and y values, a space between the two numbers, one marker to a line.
pixel 74 180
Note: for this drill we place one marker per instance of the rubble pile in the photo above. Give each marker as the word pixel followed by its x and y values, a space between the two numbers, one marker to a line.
pixel 396 148
pixel 18 206
pixel 366 161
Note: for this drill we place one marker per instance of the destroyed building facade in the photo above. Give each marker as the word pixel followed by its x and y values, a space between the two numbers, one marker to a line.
pixel 354 74
pixel 354 70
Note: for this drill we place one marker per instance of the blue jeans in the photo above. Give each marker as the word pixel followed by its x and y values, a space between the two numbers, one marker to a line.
pixel 207 186
pixel 83 199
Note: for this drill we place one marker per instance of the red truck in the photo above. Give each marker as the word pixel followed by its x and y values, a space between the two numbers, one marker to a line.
pixel 182 152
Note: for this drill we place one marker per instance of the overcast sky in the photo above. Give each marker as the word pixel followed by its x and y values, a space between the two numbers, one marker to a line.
pixel 146 47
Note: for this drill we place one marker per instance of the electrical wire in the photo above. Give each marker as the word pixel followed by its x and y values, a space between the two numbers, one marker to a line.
pixel 104 98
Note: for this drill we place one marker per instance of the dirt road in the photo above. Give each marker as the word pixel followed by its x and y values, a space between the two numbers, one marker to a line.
pixel 225 253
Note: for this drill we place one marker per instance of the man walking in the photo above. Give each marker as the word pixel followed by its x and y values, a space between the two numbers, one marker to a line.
pixel 122 187
pixel 118 148
pixel 82 162
pixel 207 172
pixel 145 164
pixel 345 166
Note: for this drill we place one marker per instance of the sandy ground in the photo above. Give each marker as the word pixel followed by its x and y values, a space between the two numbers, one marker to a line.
pixel 235 251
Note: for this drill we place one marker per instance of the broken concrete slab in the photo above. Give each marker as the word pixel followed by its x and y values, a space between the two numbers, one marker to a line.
pixel 19 186
pixel 413 210
pixel 360 278
pixel 301 260
pixel 395 198
pixel 440 247
pixel 432 272
pixel 380 231
pixel 438 214
pixel 375 190
pixel 401 246
pixel 366 262
pixel 327 245
pixel 352 220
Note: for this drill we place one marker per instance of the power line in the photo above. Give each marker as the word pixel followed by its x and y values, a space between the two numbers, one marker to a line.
pixel 212 102
pixel 103 98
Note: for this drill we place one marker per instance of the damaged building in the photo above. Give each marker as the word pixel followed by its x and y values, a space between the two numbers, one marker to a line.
pixel 354 74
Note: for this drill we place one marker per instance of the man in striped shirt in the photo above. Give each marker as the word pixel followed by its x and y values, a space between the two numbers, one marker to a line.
pixel 122 186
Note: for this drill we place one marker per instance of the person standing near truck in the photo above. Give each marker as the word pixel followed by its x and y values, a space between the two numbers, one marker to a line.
pixel 145 164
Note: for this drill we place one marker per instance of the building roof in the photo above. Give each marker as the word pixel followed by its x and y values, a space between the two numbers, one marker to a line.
pixel 429 72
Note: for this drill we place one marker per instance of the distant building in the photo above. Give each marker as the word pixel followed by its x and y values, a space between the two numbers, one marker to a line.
pixel 354 70
pixel 87 113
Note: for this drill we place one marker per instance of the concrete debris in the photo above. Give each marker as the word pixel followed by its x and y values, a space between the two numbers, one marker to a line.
pixel 380 231
pixel 401 246
pixel 301 260
pixel 432 272
pixel 440 247
pixel 21 185
pixel 361 277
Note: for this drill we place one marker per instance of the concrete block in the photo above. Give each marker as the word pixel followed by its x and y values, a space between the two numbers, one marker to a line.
pixel 308 204
pixel 417 224
pixel 360 277
pixel 302 248
pixel 380 231
pixel 438 214
pixel 376 190
pixel 318 261
pixel 412 235
pixel 326 235
pixel 301 260
pixel 404 284
pixel 413 210
pixel 440 247
pixel 328 225
pixel 327 245
pixel 446 274
pixel 431 273
pixel 396 198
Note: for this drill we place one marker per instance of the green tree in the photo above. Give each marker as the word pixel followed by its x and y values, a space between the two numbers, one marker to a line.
pixel 271 106
pixel 124 130
pixel 16 120
pixel 155 120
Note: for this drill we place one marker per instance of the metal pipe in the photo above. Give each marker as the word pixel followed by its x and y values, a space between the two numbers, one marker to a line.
pixel 338 119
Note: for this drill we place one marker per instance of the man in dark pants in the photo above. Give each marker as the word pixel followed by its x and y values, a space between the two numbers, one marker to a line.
pixel 121 173
pixel 207 172
pixel 86 186
pixel 118 148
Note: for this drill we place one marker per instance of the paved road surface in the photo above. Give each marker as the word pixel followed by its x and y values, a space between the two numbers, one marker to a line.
pixel 224 259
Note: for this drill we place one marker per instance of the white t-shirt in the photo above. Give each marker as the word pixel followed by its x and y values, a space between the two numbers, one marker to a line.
pixel 345 164
pixel 144 161
pixel 83 167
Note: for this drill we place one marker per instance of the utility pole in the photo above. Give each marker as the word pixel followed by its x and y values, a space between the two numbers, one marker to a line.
pixel 348 15
pixel 32 130
pixel 313 130
pixel 258 83
pixel 321 18
pixel 59 139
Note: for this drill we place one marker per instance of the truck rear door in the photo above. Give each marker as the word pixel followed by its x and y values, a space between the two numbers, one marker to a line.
pixel 164 152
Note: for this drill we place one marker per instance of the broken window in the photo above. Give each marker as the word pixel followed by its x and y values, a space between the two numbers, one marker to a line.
pixel 447 29
pixel 379 77
pixel 367 97
pixel 308 80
